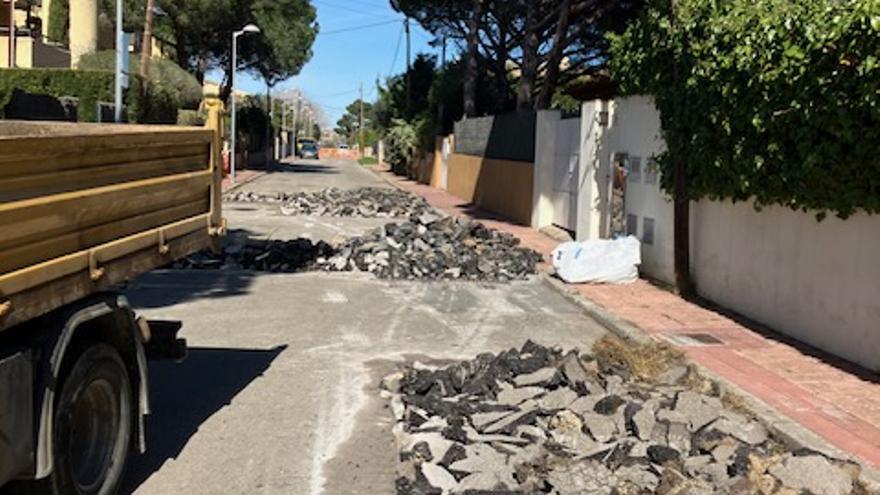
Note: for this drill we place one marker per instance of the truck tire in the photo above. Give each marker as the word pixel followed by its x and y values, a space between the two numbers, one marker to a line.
pixel 92 427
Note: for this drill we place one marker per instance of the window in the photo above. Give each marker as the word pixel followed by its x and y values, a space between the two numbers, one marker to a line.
pixel 635 170
pixel 632 225
pixel 652 171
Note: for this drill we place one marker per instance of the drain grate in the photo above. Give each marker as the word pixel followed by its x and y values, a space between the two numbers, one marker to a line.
pixel 693 339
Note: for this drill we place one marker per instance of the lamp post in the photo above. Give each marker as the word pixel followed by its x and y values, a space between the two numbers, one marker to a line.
pixel 250 28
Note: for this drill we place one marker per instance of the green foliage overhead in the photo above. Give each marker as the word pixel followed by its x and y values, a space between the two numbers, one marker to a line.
pixel 767 99
pixel 163 72
pixel 200 32
pixel 59 20
pixel 90 87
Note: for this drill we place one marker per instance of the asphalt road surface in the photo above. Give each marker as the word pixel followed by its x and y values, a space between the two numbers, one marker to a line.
pixel 279 393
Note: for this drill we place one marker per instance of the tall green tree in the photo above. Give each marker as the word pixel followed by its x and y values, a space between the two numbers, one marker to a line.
pixel 349 126
pixel 534 46
pixel 200 32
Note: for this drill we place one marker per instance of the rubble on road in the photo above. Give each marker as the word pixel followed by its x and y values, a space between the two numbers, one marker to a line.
pixel 367 202
pixel 273 256
pixel 429 247
pixel 435 247
pixel 537 420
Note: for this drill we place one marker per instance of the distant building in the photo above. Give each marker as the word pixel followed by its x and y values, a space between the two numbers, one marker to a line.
pixel 31 22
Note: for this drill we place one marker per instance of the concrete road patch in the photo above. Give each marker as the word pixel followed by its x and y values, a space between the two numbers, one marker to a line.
pixel 280 392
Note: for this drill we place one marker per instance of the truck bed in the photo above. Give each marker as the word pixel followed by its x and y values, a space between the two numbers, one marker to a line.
pixel 84 207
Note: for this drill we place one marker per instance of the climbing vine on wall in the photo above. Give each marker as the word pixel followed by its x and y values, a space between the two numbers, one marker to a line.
pixel 775 100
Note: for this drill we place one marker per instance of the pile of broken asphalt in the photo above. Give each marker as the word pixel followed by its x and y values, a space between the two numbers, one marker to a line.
pixel 427 247
pixel 537 420
pixel 366 202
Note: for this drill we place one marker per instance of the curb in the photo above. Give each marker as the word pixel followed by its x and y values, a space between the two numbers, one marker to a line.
pixel 790 433
pixel 243 182
pixel 610 321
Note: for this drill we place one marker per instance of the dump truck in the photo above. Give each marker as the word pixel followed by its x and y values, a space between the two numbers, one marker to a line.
pixel 83 209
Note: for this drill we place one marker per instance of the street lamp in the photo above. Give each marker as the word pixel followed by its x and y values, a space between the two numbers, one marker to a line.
pixel 250 28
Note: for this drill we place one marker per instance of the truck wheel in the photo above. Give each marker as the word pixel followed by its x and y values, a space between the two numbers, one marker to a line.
pixel 93 426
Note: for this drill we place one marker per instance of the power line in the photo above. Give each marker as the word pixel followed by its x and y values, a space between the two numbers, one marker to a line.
pixel 355 28
pixel 351 10
pixel 341 93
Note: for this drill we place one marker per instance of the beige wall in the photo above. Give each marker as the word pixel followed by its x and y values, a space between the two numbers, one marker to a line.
pixel 500 186
pixel 83 28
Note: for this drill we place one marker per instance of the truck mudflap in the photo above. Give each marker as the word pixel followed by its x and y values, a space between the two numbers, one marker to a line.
pixel 161 342
pixel 16 412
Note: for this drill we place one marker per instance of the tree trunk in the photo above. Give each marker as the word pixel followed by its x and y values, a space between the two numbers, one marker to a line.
pixel 529 69
pixel 201 69
pixel 472 68
pixel 501 83
pixel 147 45
pixel 551 78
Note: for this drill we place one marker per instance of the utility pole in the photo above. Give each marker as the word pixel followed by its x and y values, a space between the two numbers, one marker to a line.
pixel 443 54
pixel 147 44
pixel 11 34
pixel 361 122
pixel 121 57
pixel 408 65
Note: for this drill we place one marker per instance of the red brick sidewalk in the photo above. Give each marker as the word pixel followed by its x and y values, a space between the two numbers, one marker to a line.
pixel 241 177
pixel 837 400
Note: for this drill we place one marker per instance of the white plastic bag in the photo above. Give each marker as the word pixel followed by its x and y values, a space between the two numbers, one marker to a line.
pixel 601 261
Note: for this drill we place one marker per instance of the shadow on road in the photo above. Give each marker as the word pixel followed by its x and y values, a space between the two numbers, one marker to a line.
pixel 184 395
pixel 303 168
pixel 165 288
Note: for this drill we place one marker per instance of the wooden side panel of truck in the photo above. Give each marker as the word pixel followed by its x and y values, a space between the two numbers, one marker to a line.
pixel 85 207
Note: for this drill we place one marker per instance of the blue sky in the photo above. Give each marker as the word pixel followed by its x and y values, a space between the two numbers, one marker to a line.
pixel 342 60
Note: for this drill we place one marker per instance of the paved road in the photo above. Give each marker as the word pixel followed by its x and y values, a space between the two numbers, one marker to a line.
pixel 279 393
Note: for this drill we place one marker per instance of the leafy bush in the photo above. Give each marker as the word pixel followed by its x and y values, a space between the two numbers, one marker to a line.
pixel 368 160
pixel 90 87
pixel 163 72
pixel 158 106
pixel 59 19
pixel 193 118
pixel 767 99
pixel 252 120
pixel 403 141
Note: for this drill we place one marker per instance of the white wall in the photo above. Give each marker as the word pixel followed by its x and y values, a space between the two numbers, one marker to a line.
pixel 545 153
pixel 635 130
pixel 566 161
pixel 816 281
pixel 593 172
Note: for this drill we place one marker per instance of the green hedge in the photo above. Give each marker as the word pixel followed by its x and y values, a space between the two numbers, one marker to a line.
pixel 90 87
pixel 773 100
pixel 163 72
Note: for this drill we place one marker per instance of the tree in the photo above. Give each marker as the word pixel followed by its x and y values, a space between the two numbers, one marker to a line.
pixel 348 125
pixel 538 45
pixel 392 102
pixel 765 100
pixel 147 43
pixel 201 32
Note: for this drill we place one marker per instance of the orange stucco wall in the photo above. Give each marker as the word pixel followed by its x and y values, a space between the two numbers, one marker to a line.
pixel 500 186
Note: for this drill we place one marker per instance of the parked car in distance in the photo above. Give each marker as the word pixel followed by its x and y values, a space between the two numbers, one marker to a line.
pixel 309 150
pixel 343 146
